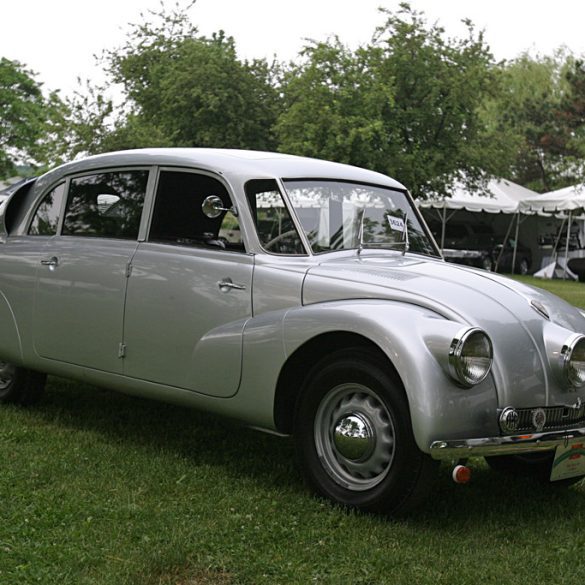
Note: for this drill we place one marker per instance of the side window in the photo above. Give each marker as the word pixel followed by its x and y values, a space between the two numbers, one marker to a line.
pixel 274 225
pixel 46 218
pixel 106 205
pixel 178 216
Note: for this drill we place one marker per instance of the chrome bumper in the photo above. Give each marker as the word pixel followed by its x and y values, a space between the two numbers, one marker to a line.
pixel 510 445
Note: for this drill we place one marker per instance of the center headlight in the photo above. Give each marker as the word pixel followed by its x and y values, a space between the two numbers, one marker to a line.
pixel 573 360
pixel 470 356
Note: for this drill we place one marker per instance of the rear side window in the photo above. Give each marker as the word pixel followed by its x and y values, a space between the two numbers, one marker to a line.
pixel 46 219
pixel 106 205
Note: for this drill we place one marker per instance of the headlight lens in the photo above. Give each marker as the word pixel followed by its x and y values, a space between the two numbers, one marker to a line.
pixel 573 359
pixel 470 357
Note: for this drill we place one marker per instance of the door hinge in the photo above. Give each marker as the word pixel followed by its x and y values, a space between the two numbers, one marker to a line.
pixel 122 350
pixel 128 269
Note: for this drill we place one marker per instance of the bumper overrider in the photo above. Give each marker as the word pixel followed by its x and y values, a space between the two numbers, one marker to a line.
pixel 508 445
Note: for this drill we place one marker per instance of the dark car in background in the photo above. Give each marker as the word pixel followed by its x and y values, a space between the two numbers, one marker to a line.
pixel 477 244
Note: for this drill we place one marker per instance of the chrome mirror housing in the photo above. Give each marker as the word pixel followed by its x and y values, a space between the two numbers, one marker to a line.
pixel 212 207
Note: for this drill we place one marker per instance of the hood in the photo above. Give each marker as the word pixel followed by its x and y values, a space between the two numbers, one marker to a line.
pixel 505 309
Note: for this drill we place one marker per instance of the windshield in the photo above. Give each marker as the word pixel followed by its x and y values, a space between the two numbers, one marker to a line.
pixel 337 215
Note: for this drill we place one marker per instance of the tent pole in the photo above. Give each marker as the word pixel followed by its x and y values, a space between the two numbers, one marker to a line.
pixel 504 245
pixel 443 225
pixel 558 239
pixel 567 244
pixel 515 241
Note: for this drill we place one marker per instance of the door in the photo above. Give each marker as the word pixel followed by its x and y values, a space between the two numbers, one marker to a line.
pixel 189 293
pixel 82 277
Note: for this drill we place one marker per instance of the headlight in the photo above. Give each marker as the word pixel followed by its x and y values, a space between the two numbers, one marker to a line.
pixel 470 357
pixel 573 360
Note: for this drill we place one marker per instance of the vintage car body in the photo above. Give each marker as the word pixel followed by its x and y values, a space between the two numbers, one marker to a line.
pixel 356 350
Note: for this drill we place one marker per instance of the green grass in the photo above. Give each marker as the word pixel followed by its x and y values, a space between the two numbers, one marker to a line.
pixel 100 488
pixel 573 292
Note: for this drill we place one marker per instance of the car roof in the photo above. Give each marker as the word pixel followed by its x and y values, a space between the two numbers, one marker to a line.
pixel 245 164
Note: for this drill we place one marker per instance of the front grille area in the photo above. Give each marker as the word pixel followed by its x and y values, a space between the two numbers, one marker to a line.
pixel 557 418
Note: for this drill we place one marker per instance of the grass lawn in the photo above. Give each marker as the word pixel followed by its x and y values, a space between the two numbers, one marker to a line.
pixel 100 488
pixel 573 292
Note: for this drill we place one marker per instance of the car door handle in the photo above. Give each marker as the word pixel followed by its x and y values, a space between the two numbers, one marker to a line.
pixel 227 284
pixel 50 262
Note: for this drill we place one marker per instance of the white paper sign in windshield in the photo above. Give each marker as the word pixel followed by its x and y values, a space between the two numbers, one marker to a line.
pixel 396 223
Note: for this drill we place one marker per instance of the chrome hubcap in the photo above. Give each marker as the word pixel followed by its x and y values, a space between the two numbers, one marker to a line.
pixel 6 375
pixel 354 437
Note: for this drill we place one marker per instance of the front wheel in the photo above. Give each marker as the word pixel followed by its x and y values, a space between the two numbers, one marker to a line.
pixel 19 385
pixel 354 436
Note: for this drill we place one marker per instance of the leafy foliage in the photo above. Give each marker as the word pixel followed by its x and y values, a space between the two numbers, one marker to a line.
pixel 334 106
pixel 182 90
pixel 540 110
pixel 29 121
pixel 413 103
pixel 406 105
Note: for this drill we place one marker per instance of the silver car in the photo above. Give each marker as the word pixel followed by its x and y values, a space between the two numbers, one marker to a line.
pixel 297 296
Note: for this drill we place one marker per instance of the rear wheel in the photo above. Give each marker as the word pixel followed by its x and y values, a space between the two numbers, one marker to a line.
pixel 19 385
pixel 354 436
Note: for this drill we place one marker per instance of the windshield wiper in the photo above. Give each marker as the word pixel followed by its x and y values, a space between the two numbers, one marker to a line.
pixel 361 231
pixel 405 240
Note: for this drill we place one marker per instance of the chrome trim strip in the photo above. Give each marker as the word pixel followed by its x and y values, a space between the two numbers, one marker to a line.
pixel 526 443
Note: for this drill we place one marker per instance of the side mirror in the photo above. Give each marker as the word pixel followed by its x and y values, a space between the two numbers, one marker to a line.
pixel 212 207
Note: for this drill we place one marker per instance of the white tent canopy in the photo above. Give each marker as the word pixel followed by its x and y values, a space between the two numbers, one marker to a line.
pixel 568 199
pixel 503 196
pixel 500 196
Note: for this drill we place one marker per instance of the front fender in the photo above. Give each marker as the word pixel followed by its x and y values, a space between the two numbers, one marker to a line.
pixel 416 342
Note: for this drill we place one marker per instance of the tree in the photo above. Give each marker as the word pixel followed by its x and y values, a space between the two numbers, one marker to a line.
pixel 180 89
pixel 29 121
pixel 334 107
pixel 540 110
pixel 407 105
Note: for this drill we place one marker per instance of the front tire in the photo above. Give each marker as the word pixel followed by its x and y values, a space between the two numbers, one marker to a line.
pixel 19 385
pixel 354 439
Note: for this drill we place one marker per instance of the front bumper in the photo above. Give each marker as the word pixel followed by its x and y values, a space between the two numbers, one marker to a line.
pixel 508 445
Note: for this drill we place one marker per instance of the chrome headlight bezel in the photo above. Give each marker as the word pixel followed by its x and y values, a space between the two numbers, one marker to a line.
pixel 574 378
pixel 458 369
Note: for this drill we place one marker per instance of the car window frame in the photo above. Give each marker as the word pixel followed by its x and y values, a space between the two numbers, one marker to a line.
pixel 158 170
pixel 414 208
pixel 85 173
pixel 39 201
pixel 293 216
pixel 63 181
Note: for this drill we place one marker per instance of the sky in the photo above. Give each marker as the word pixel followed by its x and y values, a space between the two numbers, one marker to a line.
pixel 58 39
